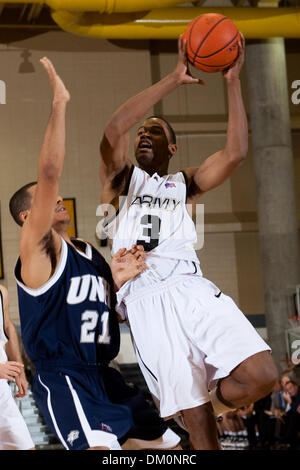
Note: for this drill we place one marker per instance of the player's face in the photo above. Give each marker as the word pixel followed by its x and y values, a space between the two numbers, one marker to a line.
pixel 285 381
pixel 151 145
pixel 291 389
pixel 60 212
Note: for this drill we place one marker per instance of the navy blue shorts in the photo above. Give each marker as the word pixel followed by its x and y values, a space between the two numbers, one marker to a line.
pixel 78 411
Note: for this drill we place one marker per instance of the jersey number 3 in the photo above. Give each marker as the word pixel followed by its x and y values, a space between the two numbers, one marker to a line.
pixel 150 236
pixel 89 322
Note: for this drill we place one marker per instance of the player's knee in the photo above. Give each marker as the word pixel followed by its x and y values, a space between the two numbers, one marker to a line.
pixel 270 376
pixel 258 374
pixel 265 375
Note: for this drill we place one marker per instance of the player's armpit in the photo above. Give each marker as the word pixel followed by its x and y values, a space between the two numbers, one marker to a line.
pixel 193 191
pixel 39 260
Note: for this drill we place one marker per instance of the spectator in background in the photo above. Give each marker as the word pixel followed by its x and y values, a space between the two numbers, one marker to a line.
pixel 276 413
pixel 262 421
pixel 256 420
pixel 248 416
pixel 292 416
pixel 278 403
pixel 285 379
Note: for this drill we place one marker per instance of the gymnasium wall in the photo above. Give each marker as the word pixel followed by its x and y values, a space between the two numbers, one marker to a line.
pixel 100 76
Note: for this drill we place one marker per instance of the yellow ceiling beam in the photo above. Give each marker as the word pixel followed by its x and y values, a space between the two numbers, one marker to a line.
pixel 162 19
pixel 104 6
pixel 170 23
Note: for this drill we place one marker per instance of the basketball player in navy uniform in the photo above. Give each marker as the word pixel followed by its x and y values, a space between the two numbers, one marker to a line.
pixel 66 302
pixel 196 349
pixel 14 434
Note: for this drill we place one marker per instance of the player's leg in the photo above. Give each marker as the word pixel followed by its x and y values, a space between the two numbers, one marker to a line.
pixel 243 361
pixel 251 380
pixel 201 425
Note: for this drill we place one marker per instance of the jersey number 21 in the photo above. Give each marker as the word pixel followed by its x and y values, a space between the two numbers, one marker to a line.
pixel 89 322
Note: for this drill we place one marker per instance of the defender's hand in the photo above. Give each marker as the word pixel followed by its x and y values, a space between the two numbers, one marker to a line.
pixel 127 264
pixel 60 93
pixel 22 385
pixel 10 370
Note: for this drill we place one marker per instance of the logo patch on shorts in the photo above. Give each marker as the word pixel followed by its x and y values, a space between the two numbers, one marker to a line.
pixel 72 436
pixel 105 427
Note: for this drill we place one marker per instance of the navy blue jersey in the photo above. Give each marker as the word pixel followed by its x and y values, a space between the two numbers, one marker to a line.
pixel 70 320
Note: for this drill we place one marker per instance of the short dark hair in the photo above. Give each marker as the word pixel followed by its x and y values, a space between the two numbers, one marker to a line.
pixel 20 201
pixel 171 130
pixel 293 383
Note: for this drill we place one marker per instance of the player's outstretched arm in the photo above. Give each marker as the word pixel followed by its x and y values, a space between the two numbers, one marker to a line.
pixel 14 368
pixel 219 166
pixel 115 141
pixel 38 221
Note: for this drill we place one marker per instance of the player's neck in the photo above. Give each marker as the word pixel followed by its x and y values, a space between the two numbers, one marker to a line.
pixel 65 236
pixel 161 170
pixel 62 230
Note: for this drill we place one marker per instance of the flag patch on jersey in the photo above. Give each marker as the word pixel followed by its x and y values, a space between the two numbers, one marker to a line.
pixel 170 185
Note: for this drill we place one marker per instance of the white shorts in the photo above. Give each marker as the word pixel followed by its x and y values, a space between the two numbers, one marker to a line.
pixel 186 336
pixel 14 434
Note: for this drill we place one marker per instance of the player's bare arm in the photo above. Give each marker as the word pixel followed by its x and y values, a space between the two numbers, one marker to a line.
pixel 36 263
pixel 219 166
pixel 115 163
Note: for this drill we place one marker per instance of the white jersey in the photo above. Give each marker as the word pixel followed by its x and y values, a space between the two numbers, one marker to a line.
pixel 154 214
pixel 3 337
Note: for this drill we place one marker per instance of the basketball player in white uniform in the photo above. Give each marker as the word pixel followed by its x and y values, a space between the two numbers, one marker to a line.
pixel 74 387
pixel 14 434
pixel 197 351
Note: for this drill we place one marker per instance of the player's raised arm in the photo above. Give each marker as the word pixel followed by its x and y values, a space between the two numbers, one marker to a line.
pixel 115 141
pixel 37 221
pixel 219 166
pixel 50 162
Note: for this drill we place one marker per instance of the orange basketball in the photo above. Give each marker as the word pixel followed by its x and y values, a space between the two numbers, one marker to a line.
pixel 212 42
